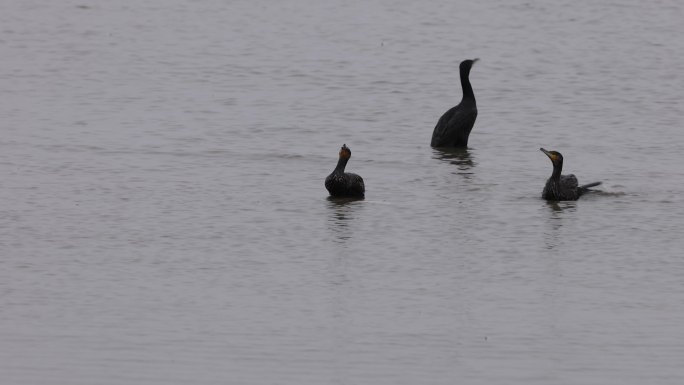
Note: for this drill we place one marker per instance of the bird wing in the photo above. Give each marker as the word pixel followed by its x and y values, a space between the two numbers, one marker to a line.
pixel 356 183
pixel 454 126
pixel 439 135
pixel 568 182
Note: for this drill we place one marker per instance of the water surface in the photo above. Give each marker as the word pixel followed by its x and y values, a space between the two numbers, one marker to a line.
pixel 164 218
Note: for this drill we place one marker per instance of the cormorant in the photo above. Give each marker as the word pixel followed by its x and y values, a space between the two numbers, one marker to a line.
pixel 453 128
pixel 562 187
pixel 344 184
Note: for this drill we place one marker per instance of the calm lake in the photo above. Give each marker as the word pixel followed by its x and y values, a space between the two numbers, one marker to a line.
pixel 164 219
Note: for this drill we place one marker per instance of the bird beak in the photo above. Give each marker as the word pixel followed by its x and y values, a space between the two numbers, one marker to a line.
pixel 475 60
pixel 553 158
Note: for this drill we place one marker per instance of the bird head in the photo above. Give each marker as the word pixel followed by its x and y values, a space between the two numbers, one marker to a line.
pixel 555 156
pixel 345 152
pixel 466 65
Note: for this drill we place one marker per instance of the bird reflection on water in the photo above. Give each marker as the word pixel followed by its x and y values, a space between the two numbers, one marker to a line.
pixel 558 212
pixel 460 157
pixel 342 211
pixel 557 207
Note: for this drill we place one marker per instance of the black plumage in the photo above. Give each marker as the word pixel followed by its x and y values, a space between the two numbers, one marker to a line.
pixel 562 187
pixel 453 128
pixel 344 184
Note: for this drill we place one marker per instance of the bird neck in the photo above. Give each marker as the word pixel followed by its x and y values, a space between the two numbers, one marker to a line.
pixel 467 88
pixel 557 168
pixel 341 164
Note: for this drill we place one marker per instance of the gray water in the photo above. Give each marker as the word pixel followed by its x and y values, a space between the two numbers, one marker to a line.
pixel 164 220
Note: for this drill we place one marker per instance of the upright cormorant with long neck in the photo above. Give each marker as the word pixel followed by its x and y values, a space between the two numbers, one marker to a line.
pixel 453 128
pixel 562 187
pixel 344 184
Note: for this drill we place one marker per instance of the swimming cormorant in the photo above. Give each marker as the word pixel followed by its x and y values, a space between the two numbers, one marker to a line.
pixel 344 184
pixel 453 128
pixel 562 187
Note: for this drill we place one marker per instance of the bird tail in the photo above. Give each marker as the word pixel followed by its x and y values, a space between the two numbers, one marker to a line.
pixel 589 185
